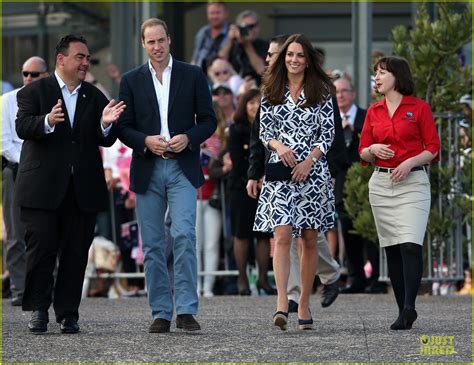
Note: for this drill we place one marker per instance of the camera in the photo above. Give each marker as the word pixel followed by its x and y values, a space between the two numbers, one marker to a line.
pixel 244 30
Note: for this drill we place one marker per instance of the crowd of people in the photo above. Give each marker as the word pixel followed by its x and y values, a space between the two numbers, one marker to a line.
pixel 235 159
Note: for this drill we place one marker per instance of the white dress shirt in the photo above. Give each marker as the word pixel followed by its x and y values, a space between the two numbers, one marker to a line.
pixel 350 114
pixel 70 102
pixel 11 143
pixel 162 91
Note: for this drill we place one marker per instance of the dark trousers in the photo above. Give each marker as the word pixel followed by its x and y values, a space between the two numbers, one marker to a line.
pixel 355 246
pixel 15 233
pixel 62 235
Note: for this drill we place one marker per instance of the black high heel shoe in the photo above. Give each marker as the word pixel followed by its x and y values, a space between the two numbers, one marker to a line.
pixel 405 320
pixel 266 291
pixel 410 316
pixel 280 319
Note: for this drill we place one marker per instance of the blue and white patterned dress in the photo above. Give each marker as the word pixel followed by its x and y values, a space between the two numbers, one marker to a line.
pixel 303 205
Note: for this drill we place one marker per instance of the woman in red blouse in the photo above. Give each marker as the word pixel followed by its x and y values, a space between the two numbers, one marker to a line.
pixel 399 137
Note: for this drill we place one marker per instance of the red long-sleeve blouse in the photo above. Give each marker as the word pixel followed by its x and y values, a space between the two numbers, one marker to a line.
pixel 410 131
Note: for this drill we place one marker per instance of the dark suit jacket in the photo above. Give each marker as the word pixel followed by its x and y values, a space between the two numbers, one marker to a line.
pixel 189 112
pixel 353 149
pixel 257 151
pixel 238 146
pixel 337 154
pixel 47 160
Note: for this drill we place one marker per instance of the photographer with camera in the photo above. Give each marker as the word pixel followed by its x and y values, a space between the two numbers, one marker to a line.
pixel 243 49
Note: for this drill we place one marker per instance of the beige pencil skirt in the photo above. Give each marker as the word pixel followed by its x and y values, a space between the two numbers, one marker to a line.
pixel 400 209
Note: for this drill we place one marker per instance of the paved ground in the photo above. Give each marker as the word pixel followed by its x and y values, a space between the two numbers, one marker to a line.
pixel 239 329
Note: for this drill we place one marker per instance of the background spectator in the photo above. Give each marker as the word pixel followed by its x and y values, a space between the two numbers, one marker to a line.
pixel 243 49
pixel 221 71
pixel 210 38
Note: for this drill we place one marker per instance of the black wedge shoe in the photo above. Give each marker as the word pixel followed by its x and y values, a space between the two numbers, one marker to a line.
pixel 280 319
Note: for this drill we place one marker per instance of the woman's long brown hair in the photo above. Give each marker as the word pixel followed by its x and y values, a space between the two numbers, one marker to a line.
pixel 317 84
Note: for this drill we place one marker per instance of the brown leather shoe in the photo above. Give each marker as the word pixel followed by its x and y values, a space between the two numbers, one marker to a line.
pixel 160 325
pixel 187 322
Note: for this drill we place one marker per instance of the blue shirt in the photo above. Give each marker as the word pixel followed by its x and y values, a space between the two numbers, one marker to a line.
pixel 206 47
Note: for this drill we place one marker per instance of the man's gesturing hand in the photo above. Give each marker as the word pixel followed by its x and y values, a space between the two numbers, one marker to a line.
pixel 112 112
pixel 56 115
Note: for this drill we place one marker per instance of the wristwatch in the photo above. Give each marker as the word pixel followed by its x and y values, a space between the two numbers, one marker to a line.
pixel 314 159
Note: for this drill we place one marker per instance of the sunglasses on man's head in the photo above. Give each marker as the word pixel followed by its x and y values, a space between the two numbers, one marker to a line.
pixel 218 73
pixel 32 73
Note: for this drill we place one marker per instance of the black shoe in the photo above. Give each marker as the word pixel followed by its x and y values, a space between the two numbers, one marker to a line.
pixel 245 292
pixel 6 292
pixel 352 289
pixel 305 324
pixel 266 290
pixel 280 319
pixel 405 320
pixel 160 325
pixel 410 316
pixel 292 306
pixel 329 294
pixel 17 301
pixel 399 324
pixel 187 322
pixel 69 325
pixel 377 288
pixel 38 322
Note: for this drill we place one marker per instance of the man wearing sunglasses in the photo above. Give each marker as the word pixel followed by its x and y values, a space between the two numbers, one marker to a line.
pixel 243 49
pixel 33 69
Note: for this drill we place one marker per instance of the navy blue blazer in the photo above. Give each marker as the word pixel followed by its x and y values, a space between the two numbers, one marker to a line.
pixel 190 112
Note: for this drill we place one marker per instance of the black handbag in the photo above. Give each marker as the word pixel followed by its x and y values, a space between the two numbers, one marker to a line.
pixel 277 172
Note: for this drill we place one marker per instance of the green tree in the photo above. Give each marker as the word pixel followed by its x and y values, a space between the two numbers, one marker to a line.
pixel 431 48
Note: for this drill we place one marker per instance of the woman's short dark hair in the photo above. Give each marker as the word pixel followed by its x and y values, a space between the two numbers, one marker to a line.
pixel 63 45
pixel 399 67
pixel 240 116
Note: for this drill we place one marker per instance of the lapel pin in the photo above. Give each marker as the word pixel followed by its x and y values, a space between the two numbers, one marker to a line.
pixel 84 96
pixel 409 114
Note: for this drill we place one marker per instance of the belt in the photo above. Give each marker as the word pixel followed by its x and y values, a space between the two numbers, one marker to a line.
pixel 389 170
pixel 168 155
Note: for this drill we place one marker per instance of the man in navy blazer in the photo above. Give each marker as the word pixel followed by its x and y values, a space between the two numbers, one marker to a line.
pixel 169 114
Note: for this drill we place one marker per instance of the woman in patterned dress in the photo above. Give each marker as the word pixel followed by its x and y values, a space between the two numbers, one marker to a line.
pixel 297 127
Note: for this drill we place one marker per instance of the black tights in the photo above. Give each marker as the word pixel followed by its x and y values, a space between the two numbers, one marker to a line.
pixel 405 267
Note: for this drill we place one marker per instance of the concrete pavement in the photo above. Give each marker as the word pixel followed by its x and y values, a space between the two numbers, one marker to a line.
pixel 239 329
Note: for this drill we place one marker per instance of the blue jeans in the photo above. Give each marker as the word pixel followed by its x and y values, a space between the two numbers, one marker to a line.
pixel 169 187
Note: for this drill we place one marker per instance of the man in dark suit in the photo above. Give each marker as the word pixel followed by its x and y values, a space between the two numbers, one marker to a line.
pixel 169 114
pixel 60 183
pixel 352 122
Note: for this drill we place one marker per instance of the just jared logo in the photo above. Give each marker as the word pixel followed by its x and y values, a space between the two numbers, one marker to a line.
pixel 436 345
